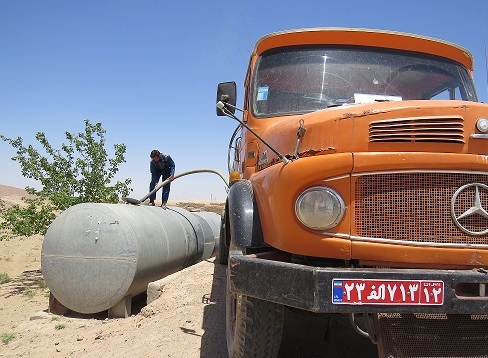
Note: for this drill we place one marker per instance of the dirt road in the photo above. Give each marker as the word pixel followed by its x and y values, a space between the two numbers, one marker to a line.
pixel 186 321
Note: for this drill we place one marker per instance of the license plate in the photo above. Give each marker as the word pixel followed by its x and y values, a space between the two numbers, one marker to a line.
pixel 387 292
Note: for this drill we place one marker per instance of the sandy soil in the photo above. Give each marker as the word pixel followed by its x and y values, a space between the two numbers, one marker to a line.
pixel 187 320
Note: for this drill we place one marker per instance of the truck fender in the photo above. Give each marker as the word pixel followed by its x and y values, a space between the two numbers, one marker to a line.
pixel 243 215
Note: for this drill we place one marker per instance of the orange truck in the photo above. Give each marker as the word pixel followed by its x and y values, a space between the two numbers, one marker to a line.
pixel 359 187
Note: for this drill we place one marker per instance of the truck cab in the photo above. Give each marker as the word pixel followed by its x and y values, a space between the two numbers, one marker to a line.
pixel 359 170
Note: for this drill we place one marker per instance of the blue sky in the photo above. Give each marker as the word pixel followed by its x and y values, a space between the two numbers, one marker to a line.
pixel 148 70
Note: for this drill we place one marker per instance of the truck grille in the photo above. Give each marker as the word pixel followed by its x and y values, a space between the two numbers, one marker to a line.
pixel 429 129
pixel 432 335
pixel 416 207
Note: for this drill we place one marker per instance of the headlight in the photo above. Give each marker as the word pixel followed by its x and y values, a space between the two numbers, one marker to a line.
pixel 319 208
pixel 482 125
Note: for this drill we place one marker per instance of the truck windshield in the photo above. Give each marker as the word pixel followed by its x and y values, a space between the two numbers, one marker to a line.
pixel 303 80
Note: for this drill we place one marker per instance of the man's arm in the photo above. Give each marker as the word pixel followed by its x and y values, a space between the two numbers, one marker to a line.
pixel 152 167
pixel 171 164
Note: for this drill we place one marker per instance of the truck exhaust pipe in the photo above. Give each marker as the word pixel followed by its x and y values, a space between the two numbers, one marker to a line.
pixel 96 257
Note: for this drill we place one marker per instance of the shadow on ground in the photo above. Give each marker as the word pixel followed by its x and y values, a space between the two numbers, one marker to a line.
pixel 29 280
pixel 304 336
pixel 213 339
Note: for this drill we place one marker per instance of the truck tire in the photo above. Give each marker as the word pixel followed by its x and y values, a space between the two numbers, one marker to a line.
pixel 223 249
pixel 253 326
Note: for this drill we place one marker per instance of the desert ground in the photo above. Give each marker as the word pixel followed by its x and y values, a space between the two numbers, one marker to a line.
pixel 187 320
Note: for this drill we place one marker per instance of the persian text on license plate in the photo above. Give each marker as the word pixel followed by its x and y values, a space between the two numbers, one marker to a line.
pixel 387 292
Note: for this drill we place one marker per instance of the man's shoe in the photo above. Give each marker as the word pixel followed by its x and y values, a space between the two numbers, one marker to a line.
pixel 151 203
pixel 163 205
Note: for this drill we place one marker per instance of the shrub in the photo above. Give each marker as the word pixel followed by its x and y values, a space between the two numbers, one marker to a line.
pixel 7 337
pixel 33 218
pixel 80 172
pixel 4 277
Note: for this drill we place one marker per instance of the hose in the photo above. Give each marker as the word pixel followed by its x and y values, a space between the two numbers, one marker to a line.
pixel 138 202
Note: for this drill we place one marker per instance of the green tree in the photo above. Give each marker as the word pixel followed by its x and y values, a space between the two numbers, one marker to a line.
pixel 79 172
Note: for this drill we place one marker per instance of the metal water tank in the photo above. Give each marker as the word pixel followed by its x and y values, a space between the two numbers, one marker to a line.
pixel 96 255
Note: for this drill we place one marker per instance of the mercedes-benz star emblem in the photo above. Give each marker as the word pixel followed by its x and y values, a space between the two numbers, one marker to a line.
pixel 475 209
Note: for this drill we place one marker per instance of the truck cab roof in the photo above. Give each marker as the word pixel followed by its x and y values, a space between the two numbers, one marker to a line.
pixel 365 37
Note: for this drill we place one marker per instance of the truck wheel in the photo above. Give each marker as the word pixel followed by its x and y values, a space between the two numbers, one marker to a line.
pixel 253 326
pixel 223 249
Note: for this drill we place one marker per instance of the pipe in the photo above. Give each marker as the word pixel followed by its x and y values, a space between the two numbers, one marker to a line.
pixel 96 256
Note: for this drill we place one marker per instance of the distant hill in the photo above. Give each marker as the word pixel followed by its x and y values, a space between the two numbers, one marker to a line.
pixel 6 190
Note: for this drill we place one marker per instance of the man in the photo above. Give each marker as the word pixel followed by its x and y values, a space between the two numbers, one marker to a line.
pixel 161 166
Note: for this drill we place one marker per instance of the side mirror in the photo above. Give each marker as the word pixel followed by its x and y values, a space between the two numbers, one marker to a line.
pixel 227 93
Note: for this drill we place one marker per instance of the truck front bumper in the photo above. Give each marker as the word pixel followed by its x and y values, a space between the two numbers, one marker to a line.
pixel 310 288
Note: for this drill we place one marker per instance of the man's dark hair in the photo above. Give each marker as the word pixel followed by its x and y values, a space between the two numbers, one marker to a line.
pixel 154 153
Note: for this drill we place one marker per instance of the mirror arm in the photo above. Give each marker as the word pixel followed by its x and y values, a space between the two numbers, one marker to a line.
pixel 222 106
pixel 228 104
